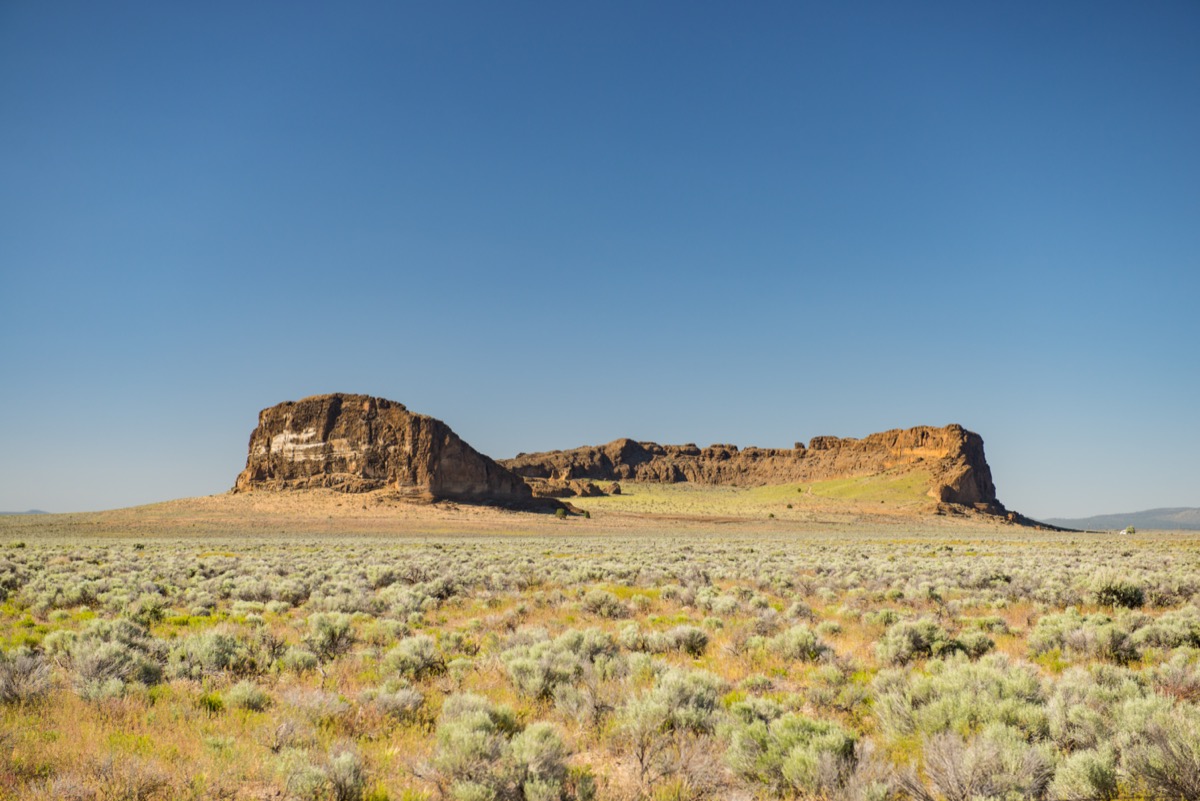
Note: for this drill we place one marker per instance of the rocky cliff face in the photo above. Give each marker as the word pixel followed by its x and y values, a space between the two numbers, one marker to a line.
pixel 356 443
pixel 952 455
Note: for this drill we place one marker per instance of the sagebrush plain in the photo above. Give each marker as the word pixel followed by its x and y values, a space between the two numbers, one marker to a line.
pixel 785 642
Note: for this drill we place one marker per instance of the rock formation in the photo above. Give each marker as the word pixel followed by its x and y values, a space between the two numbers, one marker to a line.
pixel 952 456
pixel 356 443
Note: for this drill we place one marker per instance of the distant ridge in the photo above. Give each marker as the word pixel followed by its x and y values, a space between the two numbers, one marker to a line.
pixel 1178 518
pixel 30 512
pixel 953 457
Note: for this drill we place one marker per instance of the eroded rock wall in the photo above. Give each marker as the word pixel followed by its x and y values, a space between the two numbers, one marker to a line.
pixel 357 443
pixel 952 455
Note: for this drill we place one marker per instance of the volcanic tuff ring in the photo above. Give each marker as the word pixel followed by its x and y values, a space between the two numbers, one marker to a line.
pixel 358 443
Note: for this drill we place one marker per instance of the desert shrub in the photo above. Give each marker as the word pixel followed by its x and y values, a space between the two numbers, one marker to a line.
pixel 688 700
pixel 107 656
pixel 147 609
pixel 331 634
pixel 1110 588
pixel 604 604
pixel 1092 636
pixel 456 642
pixel 666 731
pixel 757 683
pixel 800 611
pixel 290 592
pixel 749 710
pixel 586 690
pixel 397 702
pixel 723 605
pixel 672 592
pixel 689 639
pixel 1088 774
pixel 58 645
pixel 483 754
pixel 415 657
pixel 347 774
pixel 997 764
pixel 211 702
pixel 248 695
pixel 633 638
pixel 320 707
pixel 540 668
pixel 299 660
pixel 1179 676
pixel 975 643
pixel 208 653
pixel 250 588
pixel 829 628
pixel 341 776
pixel 792 754
pixel 798 643
pixel 1172 590
pixel 1172 630
pixel 833 690
pixel 1050 632
pixel 129 779
pixel 1166 761
pixel 24 677
pixel 1085 709
pixel 539 761
pixel 992 624
pixel 959 695
pixel 913 639
pixel 767 621
pixel 881 617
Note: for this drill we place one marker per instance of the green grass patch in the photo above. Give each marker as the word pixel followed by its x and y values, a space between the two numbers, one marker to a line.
pixel 904 488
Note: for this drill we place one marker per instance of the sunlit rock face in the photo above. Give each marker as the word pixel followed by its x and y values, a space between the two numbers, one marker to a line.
pixel 357 443
pixel 952 455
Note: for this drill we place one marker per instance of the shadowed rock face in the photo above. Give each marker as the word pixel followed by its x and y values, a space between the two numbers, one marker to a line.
pixel 952 455
pixel 356 443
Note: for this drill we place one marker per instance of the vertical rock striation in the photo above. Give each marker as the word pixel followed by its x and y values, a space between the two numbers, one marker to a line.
pixel 952 455
pixel 357 443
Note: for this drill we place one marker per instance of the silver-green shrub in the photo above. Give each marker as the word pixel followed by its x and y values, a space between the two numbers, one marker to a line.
pixel 209 653
pixel 792 754
pixel 248 695
pixel 1088 774
pixel 798 643
pixel 24 677
pixel 907 640
pixel 330 634
pixel 482 753
pixel 996 765
pixel 415 657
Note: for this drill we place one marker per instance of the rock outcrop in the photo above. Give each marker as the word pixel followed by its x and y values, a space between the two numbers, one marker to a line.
pixel 953 457
pixel 357 443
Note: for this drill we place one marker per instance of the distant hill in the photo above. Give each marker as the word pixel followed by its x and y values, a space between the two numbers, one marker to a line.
pixel 1182 518
pixel 30 512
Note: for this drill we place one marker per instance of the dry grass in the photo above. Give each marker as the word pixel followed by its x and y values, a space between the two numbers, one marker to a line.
pixel 659 551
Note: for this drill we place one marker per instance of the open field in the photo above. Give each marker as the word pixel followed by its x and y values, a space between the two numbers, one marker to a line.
pixel 891 502
pixel 676 645
pixel 890 495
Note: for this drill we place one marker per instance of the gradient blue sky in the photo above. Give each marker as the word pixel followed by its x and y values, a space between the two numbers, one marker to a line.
pixel 552 224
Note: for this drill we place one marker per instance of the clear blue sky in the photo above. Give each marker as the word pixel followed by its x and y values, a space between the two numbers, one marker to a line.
pixel 552 224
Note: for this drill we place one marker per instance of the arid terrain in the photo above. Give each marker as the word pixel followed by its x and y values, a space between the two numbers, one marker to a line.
pixel 836 639
pixel 348 634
